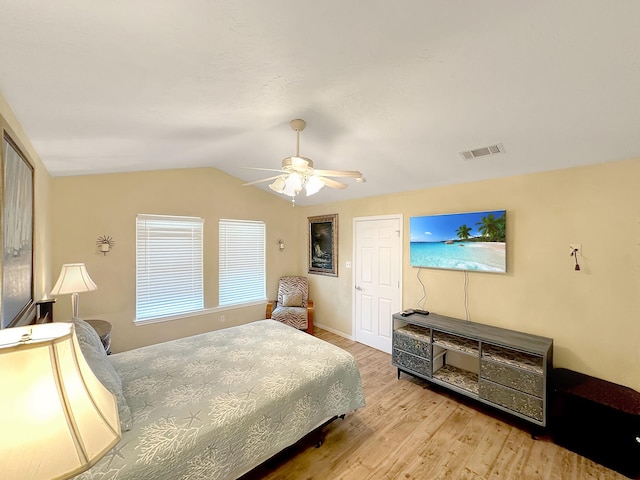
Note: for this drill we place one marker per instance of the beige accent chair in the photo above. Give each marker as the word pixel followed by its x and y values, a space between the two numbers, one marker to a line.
pixel 293 306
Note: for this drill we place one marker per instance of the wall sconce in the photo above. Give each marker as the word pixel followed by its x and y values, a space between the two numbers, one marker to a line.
pixel 105 243
pixel 574 254
pixel 280 244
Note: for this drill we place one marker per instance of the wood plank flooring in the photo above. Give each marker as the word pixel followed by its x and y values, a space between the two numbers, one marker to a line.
pixel 410 429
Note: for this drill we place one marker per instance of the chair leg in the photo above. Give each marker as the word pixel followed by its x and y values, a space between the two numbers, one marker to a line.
pixel 310 311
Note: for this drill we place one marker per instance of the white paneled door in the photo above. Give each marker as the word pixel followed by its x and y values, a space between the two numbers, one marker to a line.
pixel 377 278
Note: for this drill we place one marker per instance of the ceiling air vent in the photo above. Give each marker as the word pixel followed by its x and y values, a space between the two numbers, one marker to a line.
pixel 482 151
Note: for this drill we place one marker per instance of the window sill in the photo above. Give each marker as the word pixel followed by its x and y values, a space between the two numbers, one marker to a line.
pixel 198 313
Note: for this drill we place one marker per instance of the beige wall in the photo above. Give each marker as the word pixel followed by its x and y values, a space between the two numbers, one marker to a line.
pixel 42 217
pixel 593 315
pixel 87 207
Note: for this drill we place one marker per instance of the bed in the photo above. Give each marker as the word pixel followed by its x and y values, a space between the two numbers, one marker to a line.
pixel 216 405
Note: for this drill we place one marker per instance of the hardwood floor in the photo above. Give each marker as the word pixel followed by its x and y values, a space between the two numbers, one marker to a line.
pixel 410 429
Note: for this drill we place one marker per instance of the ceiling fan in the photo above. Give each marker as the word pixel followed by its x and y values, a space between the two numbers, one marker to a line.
pixel 297 172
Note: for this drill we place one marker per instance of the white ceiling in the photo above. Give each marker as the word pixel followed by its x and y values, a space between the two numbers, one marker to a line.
pixel 393 89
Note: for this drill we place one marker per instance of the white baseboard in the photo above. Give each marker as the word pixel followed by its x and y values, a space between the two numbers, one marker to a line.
pixel 332 330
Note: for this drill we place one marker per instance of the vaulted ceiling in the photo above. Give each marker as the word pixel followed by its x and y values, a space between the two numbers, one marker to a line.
pixel 394 89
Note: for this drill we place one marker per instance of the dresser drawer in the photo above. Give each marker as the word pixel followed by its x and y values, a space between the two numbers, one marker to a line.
pixel 518 379
pixel 413 340
pixel 512 399
pixel 412 362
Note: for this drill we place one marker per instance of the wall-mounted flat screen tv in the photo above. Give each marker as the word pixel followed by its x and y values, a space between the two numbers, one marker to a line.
pixel 474 241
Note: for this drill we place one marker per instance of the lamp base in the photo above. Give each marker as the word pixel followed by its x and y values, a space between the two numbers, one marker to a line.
pixel 74 306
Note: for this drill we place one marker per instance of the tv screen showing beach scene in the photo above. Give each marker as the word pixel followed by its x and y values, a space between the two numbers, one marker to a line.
pixel 474 241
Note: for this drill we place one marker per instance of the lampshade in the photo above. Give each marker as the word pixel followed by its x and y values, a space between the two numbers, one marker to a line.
pixel 57 419
pixel 278 185
pixel 293 185
pixel 73 279
pixel 314 184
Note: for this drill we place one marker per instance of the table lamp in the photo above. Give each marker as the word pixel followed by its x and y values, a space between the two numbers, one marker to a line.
pixel 73 279
pixel 57 419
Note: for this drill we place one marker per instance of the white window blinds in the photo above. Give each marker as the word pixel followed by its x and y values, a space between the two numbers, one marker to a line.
pixel 242 261
pixel 168 265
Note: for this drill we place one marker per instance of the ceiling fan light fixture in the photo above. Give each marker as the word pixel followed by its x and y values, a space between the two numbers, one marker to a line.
pixel 301 165
pixel 313 185
pixel 302 162
pixel 278 185
pixel 293 185
pixel 297 173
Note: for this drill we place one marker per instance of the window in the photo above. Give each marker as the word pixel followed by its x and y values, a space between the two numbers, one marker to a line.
pixel 168 266
pixel 242 264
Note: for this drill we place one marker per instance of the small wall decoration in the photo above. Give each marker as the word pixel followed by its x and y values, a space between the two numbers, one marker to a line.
pixel 323 245
pixel 105 243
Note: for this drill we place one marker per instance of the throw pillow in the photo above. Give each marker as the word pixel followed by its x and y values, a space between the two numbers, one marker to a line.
pixel 293 300
pixel 95 356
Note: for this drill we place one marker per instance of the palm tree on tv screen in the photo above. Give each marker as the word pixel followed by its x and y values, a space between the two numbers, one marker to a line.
pixel 463 232
pixel 492 228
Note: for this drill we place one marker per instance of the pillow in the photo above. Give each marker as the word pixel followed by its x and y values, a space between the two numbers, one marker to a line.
pixel 293 300
pixel 93 352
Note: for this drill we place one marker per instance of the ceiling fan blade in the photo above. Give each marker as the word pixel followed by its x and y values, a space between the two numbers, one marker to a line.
pixel 338 173
pixel 260 181
pixel 333 183
pixel 264 169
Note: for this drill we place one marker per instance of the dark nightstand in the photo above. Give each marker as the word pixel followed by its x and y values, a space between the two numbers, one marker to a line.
pixel 104 331
pixel 44 310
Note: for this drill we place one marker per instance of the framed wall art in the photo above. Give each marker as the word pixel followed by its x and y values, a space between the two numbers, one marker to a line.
pixel 323 245
pixel 17 203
